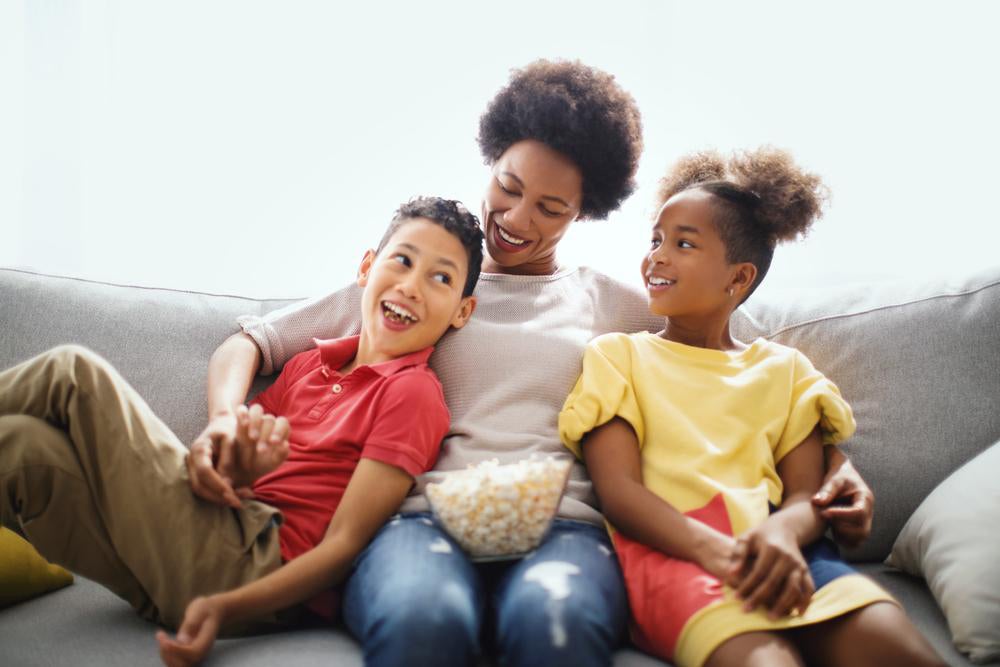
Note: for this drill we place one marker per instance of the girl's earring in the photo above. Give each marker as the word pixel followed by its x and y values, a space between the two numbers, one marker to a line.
pixel 730 291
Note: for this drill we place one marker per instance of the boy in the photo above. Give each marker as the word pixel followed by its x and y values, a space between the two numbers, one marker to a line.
pixel 98 483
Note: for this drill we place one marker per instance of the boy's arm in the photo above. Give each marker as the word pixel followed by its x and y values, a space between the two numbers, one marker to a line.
pixel 230 372
pixel 611 453
pixel 775 572
pixel 374 493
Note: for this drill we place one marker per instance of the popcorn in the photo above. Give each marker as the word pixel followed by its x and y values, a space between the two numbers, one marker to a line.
pixel 495 510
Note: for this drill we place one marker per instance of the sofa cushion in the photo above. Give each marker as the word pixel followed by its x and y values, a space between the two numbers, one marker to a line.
pixel 952 541
pixel 920 365
pixel 24 574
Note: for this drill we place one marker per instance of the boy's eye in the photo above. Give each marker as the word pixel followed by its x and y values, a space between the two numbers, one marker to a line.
pixel 443 277
pixel 401 258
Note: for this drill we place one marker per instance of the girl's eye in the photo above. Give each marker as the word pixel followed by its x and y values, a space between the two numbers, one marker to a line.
pixel 684 244
pixel 443 277
pixel 655 243
pixel 401 258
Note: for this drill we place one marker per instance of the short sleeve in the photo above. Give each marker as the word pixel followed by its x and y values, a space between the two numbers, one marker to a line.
pixel 271 398
pixel 814 400
pixel 603 391
pixel 411 421
pixel 283 333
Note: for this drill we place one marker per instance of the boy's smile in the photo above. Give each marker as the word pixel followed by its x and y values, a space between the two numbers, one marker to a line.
pixel 413 291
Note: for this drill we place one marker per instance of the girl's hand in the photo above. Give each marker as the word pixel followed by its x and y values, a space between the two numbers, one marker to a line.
pixel 195 636
pixel 771 571
pixel 717 555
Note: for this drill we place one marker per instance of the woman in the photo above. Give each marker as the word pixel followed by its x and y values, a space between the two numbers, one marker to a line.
pixel 563 142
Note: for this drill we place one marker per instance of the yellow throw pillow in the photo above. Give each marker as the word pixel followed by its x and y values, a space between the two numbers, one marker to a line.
pixel 24 573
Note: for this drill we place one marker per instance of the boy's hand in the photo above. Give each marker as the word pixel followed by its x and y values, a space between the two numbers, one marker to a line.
pixel 771 571
pixel 261 446
pixel 195 636
pixel 215 443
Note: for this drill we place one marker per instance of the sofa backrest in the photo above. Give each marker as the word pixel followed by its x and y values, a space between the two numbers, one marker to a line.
pixel 919 362
pixel 159 339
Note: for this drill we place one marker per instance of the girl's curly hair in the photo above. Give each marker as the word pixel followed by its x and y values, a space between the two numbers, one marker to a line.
pixel 579 111
pixel 764 199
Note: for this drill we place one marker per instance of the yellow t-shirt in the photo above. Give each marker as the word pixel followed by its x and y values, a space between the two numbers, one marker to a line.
pixel 708 421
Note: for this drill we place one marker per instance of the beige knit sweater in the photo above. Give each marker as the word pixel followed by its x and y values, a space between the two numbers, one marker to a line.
pixel 505 374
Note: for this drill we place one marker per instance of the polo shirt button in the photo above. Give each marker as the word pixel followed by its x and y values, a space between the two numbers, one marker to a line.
pixel 337 388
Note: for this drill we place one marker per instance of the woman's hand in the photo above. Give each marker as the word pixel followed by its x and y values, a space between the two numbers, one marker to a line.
pixel 195 636
pixel 845 500
pixel 770 571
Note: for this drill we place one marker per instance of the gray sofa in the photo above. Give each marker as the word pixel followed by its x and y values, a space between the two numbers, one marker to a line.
pixel 918 361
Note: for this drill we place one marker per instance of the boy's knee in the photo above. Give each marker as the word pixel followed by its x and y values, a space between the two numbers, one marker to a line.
pixel 71 355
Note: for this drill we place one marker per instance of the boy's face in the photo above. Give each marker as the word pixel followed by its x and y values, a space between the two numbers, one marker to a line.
pixel 413 290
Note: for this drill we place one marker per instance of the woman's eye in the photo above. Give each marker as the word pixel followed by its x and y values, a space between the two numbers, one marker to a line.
pixel 548 213
pixel 505 189
pixel 443 277
pixel 401 258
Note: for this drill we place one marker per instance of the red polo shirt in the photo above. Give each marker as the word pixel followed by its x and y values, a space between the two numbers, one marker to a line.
pixel 393 412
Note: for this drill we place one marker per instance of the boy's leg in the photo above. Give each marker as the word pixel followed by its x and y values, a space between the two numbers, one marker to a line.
pixel 879 635
pixel 565 604
pixel 414 598
pixel 102 488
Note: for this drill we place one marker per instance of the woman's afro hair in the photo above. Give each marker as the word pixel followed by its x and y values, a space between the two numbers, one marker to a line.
pixel 578 111
pixel 784 199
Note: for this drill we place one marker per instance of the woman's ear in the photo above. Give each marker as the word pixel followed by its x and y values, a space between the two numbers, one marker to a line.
pixel 465 309
pixel 366 267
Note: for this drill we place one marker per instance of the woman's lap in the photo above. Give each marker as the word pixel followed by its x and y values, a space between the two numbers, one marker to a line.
pixel 415 594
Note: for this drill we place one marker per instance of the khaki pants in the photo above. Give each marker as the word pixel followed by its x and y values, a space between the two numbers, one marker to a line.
pixel 97 483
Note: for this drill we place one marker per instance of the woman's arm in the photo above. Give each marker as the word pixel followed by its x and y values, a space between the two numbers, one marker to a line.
pixel 230 372
pixel 845 500
pixel 611 453
pixel 775 572
pixel 375 492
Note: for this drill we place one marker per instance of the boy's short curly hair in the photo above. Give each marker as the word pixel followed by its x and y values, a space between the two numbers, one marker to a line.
pixel 455 218
pixel 579 111
pixel 764 199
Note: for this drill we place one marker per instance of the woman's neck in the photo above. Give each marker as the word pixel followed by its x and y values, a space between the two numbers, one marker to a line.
pixel 546 266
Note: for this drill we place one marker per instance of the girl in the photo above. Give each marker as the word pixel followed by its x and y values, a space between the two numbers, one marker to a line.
pixel 705 451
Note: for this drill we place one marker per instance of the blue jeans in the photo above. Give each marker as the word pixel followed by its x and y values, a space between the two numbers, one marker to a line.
pixel 415 598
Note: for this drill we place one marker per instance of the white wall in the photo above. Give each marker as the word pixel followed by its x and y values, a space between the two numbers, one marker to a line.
pixel 258 148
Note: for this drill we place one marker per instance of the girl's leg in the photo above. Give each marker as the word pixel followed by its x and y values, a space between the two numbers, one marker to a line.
pixel 414 598
pixel 879 635
pixel 565 604
pixel 91 477
pixel 756 649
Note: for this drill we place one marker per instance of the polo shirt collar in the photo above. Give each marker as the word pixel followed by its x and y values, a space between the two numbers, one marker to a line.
pixel 336 352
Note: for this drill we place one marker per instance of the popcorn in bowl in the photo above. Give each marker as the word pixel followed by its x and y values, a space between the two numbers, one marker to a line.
pixel 500 511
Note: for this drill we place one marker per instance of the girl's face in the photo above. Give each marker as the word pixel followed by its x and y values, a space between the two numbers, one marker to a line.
pixel 533 195
pixel 685 270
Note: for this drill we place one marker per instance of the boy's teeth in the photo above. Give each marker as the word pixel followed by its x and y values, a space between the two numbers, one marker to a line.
pixel 508 238
pixel 398 313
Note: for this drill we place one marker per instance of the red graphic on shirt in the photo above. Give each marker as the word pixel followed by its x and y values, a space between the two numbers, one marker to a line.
pixel 665 592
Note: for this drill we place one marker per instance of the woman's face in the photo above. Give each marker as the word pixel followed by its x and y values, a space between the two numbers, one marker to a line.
pixel 533 195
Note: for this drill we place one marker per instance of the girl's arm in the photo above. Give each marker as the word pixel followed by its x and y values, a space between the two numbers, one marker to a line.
pixel 374 493
pixel 775 573
pixel 611 453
